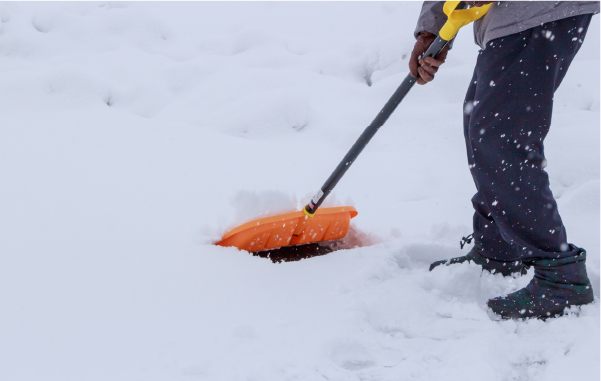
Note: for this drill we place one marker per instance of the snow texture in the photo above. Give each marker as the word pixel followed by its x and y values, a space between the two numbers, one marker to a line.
pixel 135 134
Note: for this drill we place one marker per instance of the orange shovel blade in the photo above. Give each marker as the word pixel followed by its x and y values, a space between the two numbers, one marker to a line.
pixel 290 229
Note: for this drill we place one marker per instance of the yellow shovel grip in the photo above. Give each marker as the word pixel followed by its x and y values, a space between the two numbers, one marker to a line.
pixel 458 18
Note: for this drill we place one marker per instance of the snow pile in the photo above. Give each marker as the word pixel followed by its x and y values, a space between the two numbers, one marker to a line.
pixel 253 205
pixel 134 134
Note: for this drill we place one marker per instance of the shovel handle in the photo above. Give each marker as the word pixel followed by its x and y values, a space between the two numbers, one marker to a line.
pixel 435 48
pixel 457 18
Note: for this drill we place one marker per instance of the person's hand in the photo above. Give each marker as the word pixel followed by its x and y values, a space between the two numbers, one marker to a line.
pixel 428 66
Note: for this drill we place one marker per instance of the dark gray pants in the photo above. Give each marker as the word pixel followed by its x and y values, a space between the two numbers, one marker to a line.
pixel 508 110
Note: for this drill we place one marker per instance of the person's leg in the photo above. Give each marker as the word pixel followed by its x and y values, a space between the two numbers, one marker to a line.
pixel 490 250
pixel 517 76
pixel 486 233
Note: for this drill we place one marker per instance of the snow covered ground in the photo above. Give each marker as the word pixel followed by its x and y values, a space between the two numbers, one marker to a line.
pixel 134 134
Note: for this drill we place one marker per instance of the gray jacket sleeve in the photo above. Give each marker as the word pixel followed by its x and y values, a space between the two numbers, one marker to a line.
pixel 431 18
pixel 509 17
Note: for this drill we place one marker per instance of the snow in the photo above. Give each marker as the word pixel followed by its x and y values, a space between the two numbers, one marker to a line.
pixel 252 205
pixel 135 134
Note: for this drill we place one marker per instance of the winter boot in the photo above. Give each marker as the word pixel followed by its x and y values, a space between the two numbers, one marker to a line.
pixel 557 284
pixel 493 266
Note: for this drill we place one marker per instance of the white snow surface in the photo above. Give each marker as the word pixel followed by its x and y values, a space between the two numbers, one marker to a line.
pixel 135 134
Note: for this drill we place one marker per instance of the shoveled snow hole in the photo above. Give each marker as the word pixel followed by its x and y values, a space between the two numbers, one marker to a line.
pixel 354 239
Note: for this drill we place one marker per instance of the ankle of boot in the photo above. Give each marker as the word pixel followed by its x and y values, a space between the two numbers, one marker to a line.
pixel 566 271
pixel 577 255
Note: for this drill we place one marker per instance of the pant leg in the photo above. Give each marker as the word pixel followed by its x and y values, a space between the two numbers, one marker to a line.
pixel 486 233
pixel 513 99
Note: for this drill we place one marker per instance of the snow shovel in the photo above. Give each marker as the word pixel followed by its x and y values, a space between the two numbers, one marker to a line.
pixel 326 224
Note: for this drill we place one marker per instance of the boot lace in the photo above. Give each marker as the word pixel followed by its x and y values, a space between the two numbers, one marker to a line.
pixel 466 240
